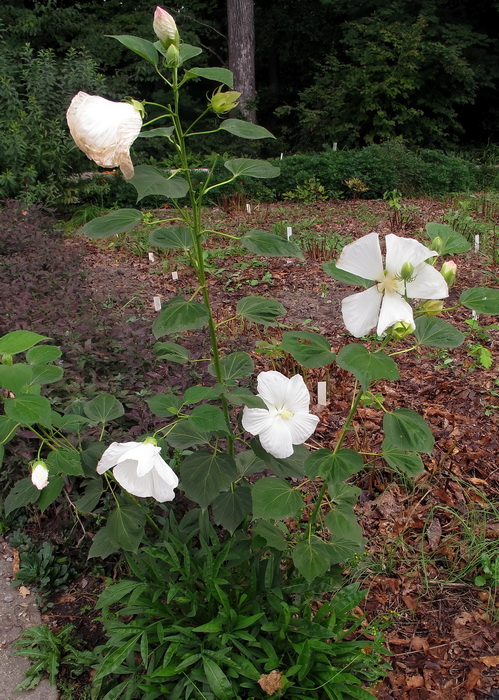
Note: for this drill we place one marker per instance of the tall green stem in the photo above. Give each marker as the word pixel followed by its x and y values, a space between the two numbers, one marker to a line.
pixel 196 231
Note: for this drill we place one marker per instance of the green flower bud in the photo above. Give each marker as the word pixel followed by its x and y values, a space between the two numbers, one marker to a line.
pixel 6 359
pixel 448 272
pixel 173 57
pixel 222 102
pixel 150 441
pixel 402 329
pixel 437 244
pixel 407 271
pixel 432 307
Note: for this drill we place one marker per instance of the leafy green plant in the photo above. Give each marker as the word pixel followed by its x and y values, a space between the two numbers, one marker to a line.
pixel 42 569
pixel 49 651
pixel 309 192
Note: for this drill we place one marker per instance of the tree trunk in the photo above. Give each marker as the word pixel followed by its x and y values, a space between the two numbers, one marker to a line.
pixel 241 36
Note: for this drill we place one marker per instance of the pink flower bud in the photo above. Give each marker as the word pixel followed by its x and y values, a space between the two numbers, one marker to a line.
pixel 448 272
pixel 165 28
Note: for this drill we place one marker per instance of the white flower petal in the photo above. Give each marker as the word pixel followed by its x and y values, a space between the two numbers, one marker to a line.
pixel 360 311
pixel 297 395
pixel 363 258
pixel 104 130
pixel 394 308
pixel 165 472
pixel 276 439
pixel 40 476
pixel 112 455
pixel 255 420
pixel 428 283
pixel 404 250
pixel 272 388
pixel 162 490
pixel 143 454
pixel 301 426
pixel 125 474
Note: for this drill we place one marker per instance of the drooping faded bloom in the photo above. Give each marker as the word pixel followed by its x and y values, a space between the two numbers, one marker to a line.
pixel 286 420
pixel 405 275
pixel 104 130
pixel 39 475
pixel 139 468
pixel 165 28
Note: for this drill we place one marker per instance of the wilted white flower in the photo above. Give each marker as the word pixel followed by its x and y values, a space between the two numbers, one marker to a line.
pixel 405 275
pixel 286 421
pixel 39 475
pixel 104 130
pixel 165 28
pixel 140 469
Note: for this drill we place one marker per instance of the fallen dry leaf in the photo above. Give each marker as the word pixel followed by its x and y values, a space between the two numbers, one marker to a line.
pixel 434 533
pixel 15 561
pixel 270 683
pixel 415 682
pixel 489 661
pixel 473 677
pixel 23 591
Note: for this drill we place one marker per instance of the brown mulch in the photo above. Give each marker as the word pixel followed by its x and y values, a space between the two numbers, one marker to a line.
pixel 442 630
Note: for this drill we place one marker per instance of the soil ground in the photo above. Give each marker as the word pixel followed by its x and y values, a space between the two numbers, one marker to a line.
pixel 425 538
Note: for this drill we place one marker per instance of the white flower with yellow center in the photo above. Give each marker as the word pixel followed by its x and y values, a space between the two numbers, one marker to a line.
pixel 286 420
pixel 405 275
pixel 105 130
pixel 140 469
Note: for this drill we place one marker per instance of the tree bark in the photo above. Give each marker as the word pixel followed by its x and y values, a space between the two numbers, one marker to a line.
pixel 241 37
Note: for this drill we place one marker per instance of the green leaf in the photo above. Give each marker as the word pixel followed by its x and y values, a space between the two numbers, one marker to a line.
pixel 288 467
pixel 409 463
pixel 102 544
pixel 454 242
pixel 483 300
pixel 173 237
pixel 274 498
pixel 2 453
pixel 261 310
pixel 333 467
pixel 240 395
pixel 15 377
pixel 43 354
pixel 437 333
pixel 164 405
pixel 65 462
pixel 126 525
pixel 164 131
pixel 19 341
pixel 46 374
pixel 311 558
pixel 103 408
pixel 232 507
pixel 217 680
pixel 207 418
pixel 344 276
pixel 22 494
pixel 49 494
pixel 270 245
pixel 248 167
pixel 219 75
pixel 205 475
pixel 180 315
pixel 172 352
pixel 116 657
pixel 309 349
pixel 7 429
pixel 187 51
pixel 148 181
pixel 235 366
pixel 71 422
pixel 184 435
pixel 343 493
pixel 342 524
pixel 271 535
pixel 142 47
pixel 29 409
pixel 366 366
pixel 91 496
pixel 406 430
pixel 245 130
pixel 197 393
pixel 110 224
pixel 341 550
pixel 248 463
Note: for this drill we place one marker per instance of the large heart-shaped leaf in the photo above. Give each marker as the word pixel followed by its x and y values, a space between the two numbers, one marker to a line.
pixel 180 315
pixel 274 498
pixel 309 349
pixel 270 245
pixel 205 475
pixel 149 181
pixel 437 333
pixel 261 310
pixel 142 47
pixel 245 130
pixel 119 221
pixel 173 237
pixel 406 430
pixel 251 168
pixel 366 366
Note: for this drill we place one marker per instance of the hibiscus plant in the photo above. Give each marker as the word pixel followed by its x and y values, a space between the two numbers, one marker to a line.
pixel 240 457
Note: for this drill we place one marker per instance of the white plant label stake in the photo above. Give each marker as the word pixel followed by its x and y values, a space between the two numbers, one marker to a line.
pixel 289 232
pixel 157 303
pixel 151 257
pixel 321 394
pixel 248 208
pixel 474 315
pixel 477 243
pixel 174 275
